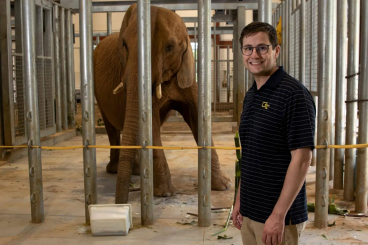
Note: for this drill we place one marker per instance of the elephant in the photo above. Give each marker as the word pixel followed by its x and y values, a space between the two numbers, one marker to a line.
pixel 174 87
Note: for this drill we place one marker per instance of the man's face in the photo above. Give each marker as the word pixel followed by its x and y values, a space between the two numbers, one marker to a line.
pixel 256 63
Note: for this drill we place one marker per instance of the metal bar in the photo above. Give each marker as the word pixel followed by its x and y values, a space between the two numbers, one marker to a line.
pixel 341 57
pixel 6 72
pixel 145 110
pixel 240 67
pixel 265 11
pixel 228 74
pixel 352 86
pixel 288 36
pixel 63 76
pixel 40 67
pixel 122 6
pixel 69 66
pixel 324 112
pixel 109 23
pixel 88 105
pixel 332 33
pixel 57 64
pixel 236 47
pixel 302 43
pixel 215 56
pixel 33 126
pixel 362 161
pixel 195 47
pixel 218 74
pixel 204 113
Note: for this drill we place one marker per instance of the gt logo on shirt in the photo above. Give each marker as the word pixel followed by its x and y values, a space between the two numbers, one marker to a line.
pixel 265 105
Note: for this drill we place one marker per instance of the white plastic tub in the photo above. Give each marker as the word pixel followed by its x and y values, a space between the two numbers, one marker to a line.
pixel 110 219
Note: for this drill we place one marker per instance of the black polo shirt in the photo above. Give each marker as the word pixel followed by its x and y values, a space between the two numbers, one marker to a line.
pixel 276 119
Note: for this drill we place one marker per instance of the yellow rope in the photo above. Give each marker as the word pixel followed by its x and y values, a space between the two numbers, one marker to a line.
pixel 172 147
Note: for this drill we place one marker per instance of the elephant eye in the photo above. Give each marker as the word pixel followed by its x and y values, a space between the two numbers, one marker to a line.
pixel 125 45
pixel 169 47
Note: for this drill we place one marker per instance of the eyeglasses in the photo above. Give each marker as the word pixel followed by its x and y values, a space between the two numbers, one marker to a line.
pixel 260 49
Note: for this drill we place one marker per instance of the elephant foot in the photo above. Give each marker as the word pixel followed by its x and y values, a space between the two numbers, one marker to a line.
pixel 164 190
pixel 220 182
pixel 112 167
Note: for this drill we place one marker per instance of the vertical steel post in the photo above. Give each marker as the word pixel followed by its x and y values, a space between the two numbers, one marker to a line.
pixel 236 56
pixel 265 11
pixel 288 36
pixel 362 162
pixel 109 23
pixel 88 105
pixel 324 111
pixel 63 80
pixel 204 113
pixel 195 48
pixel 302 43
pixel 69 66
pixel 57 64
pixel 333 86
pixel 214 69
pixel 218 74
pixel 31 108
pixel 228 74
pixel 352 97
pixel 341 57
pixel 145 110
pixel 240 66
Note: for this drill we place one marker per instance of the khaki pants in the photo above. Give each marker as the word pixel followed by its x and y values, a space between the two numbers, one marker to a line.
pixel 251 232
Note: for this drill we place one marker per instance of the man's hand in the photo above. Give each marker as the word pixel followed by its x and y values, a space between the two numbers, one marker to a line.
pixel 237 217
pixel 273 230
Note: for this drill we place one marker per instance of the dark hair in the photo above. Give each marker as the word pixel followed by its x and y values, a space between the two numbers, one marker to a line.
pixel 256 27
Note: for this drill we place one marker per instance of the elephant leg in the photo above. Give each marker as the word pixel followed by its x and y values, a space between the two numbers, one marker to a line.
pixel 161 174
pixel 114 139
pixel 219 181
pixel 136 165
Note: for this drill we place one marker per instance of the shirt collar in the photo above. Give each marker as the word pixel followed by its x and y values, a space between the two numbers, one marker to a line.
pixel 274 79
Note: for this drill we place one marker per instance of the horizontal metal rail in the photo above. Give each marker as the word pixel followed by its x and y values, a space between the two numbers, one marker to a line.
pixel 170 147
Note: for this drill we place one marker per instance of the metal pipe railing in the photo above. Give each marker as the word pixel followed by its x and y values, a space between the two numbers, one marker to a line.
pixel 352 97
pixel 324 112
pixel 302 43
pixel 31 109
pixel 63 77
pixel 341 57
pixel 265 11
pixel 228 73
pixel 109 23
pixel 145 110
pixel 362 161
pixel 333 88
pixel 58 97
pixel 204 113
pixel 69 66
pixel 88 105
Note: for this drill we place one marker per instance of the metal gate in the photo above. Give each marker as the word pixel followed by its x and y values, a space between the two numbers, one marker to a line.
pixel 12 83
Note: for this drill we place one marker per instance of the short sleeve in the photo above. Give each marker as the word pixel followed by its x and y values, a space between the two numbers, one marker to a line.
pixel 300 120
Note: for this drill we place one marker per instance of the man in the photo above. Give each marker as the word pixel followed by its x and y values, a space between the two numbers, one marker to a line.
pixel 277 138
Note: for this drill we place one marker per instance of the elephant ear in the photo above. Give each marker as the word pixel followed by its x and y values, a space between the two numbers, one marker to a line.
pixel 186 74
pixel 125 24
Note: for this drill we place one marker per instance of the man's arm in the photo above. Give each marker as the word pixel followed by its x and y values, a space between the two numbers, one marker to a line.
pixel 236 216
pixel 295 177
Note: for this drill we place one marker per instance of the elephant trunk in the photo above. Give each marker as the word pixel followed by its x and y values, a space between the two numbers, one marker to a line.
pixel 129 138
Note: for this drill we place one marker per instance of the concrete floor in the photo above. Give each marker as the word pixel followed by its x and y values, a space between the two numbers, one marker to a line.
pixel 64 201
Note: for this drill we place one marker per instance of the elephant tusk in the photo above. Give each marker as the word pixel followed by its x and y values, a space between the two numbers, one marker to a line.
pixel 158 92
pixel 118 88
